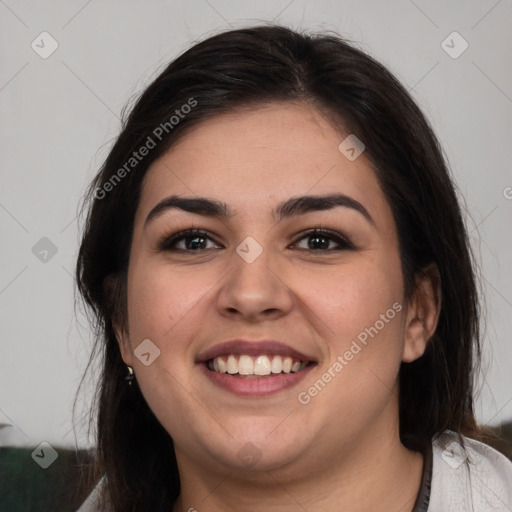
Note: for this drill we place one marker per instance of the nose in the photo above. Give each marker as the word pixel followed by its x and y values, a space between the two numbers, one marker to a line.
pixel 254 291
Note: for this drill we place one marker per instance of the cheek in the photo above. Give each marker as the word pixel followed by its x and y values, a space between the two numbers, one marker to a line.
pixel 361 304
pixel 161 308
pixel 159 299
pixel 364 314
pixel 351 298
pixel 364 311
pixel 167 306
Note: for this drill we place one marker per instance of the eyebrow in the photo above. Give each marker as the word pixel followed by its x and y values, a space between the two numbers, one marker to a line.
pixel 289 208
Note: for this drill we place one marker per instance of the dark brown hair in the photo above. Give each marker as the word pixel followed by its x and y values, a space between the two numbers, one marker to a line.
pixel 244 68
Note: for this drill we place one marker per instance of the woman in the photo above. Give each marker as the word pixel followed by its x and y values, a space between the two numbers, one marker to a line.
pixel 284 292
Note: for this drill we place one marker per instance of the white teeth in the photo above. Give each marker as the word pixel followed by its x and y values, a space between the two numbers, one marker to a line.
pixel 277 364
pixel 232 365
pixel 245 365
pixel 223 368
pixel 261 365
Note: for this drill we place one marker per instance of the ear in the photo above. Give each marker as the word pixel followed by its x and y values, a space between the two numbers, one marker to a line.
pixel 422 313
pixel 115 290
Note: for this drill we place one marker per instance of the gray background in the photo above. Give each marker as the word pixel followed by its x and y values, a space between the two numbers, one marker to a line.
pixel 60 114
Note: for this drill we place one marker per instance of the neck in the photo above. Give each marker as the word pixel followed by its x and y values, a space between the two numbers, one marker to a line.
pixel 372 472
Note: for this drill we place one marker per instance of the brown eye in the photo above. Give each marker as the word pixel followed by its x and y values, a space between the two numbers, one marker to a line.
pixel 189 240
pixel 324 240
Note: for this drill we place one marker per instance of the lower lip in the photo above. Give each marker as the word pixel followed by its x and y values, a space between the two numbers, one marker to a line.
pixel 260 386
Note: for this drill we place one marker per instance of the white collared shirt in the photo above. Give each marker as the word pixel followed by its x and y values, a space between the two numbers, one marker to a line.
pixel 478 479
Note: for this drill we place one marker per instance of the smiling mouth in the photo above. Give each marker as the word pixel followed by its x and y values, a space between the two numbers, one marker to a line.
pixel 262 366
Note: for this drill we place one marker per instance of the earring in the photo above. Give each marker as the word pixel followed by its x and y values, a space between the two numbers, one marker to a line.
pixel 130 377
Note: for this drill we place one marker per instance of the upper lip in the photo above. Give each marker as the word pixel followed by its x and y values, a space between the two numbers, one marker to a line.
pixel 252 348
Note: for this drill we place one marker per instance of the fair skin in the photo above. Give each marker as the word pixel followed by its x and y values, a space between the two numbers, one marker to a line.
pixel 341 450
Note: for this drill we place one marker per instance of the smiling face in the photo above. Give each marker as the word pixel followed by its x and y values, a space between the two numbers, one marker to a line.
pixel 331 300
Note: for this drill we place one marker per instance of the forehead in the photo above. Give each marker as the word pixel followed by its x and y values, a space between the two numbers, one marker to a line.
pixel 255 158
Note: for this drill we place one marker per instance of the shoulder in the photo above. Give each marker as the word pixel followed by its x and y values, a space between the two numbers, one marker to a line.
pixel 91 504
pixel 468 475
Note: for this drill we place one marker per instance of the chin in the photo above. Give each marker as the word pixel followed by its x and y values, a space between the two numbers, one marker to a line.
pixel 256 445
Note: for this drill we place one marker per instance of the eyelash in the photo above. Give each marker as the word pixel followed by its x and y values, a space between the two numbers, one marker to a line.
pixel 167 243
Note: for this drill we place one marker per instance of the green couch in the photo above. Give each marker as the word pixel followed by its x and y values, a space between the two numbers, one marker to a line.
pixel 26 487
